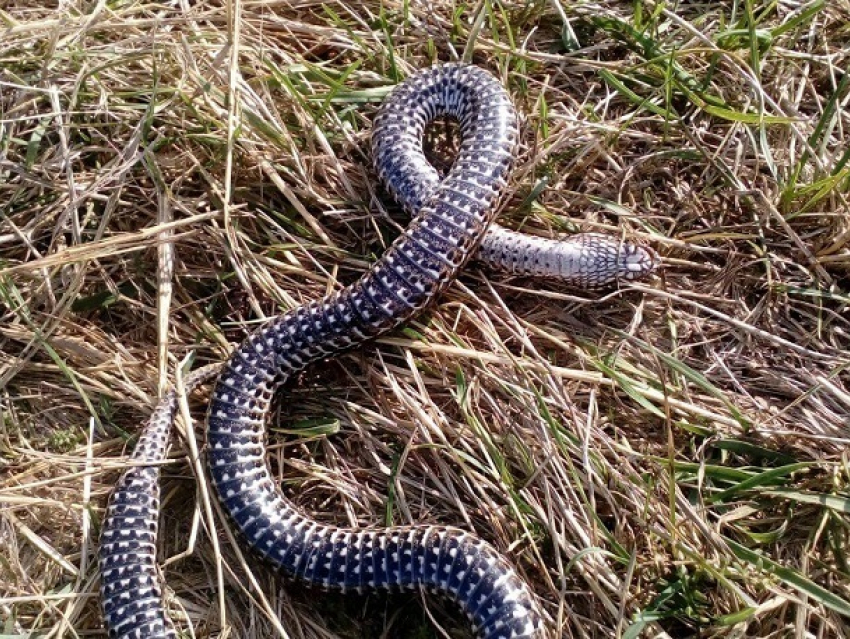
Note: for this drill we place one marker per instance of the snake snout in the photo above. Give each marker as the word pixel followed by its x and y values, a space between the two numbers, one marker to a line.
pixel 639 261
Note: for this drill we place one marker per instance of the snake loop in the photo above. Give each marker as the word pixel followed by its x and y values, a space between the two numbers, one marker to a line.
pixel 451 220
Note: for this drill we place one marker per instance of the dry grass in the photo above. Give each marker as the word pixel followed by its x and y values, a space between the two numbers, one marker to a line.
pixel 668 459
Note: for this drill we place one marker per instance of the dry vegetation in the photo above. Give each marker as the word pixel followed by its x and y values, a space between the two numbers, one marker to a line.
pixel 668 460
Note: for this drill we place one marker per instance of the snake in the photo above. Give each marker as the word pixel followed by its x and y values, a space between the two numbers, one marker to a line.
pixel 452 221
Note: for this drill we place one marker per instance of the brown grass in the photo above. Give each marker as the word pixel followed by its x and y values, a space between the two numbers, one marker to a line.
pixel 669 459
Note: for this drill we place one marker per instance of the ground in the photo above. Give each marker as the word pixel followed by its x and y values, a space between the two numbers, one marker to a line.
pixel 663 459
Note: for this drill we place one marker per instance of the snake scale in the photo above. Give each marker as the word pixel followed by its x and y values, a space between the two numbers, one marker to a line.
pixel 450 222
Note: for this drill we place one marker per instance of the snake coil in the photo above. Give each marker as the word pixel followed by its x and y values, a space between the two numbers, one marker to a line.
pixel 451 220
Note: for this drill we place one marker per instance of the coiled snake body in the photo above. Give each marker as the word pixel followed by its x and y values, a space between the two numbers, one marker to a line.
pixel 451 219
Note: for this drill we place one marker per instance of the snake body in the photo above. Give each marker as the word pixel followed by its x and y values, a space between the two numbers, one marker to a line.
pixel 451 219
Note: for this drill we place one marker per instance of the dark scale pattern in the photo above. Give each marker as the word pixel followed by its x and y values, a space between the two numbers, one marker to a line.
pixel 412 272
pixel 131 594
pixel 451 219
